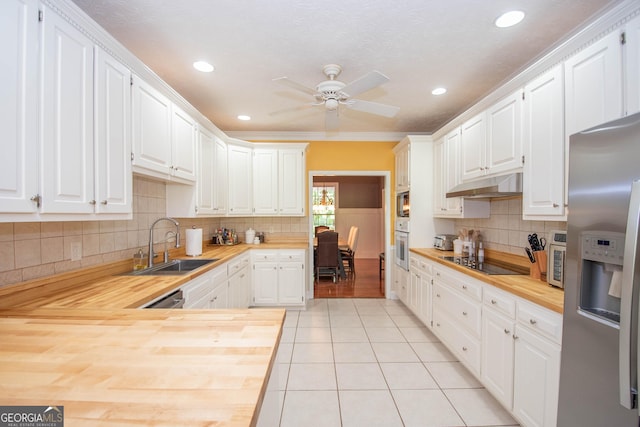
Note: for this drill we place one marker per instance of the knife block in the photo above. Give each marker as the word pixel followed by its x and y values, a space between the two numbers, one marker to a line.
pixel 538 269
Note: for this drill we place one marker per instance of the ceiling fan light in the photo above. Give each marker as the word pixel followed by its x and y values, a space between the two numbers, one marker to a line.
pixel 509 19
pixel 331 104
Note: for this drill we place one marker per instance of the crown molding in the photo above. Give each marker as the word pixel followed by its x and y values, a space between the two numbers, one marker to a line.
pixel 321 136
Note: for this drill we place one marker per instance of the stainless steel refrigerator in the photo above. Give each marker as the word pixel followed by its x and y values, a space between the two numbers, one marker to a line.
pixel 598 373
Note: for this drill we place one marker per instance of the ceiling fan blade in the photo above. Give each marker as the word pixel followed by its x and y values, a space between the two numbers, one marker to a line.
pixel 331 120
pixel 364 83
pixel 298 108
pixel 373 107
pixel 295 85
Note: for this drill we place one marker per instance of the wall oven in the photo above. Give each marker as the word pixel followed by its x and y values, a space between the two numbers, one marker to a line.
pixel 402 243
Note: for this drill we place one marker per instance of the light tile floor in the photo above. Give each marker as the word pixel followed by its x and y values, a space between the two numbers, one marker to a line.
pixel 370 362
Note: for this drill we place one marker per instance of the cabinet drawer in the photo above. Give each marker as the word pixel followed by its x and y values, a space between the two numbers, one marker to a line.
pixel 291 256
pixel 541 320
pixel 197 288
pixel 236 265
pixel 420 264
pixel 464 284
pixel 465 312
pixel 499 301
pixel 463 345
pixel 262 255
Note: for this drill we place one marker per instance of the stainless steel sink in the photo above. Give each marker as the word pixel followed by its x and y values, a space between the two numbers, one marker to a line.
pixel 174 267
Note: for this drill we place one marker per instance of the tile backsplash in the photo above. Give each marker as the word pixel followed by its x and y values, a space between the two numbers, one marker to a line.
pixel 505 230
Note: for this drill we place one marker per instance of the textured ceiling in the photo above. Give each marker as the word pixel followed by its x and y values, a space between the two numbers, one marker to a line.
pixel 418 44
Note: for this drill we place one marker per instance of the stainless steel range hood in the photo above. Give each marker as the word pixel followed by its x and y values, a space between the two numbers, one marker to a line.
pixel 497 186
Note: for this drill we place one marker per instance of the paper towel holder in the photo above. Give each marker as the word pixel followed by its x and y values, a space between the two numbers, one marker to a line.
pixel 193 244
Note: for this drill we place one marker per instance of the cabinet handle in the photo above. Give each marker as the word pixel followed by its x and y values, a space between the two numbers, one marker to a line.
pixel 494 301
pixel 533 321
pixel 464 348
pixel 515 337
pixel 437 324
pixel 438 295
pixel 464 313
pixel 37 199
pixel 555 205
pixel 104 202
pixel 92 202
pixel 464 287
pixel 506 331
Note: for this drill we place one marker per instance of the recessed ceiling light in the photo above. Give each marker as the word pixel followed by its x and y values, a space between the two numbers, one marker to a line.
pixel 439 91
pixel 203 66
pixel 509 19
pixel 244 117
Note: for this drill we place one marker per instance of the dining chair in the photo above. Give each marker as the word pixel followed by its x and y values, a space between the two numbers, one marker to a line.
pixel 327 258
pixel 348 255
pixel 320 229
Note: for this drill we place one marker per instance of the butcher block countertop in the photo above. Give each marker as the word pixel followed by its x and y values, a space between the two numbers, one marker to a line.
pixel 140 367
pixel 523 286
pixel 78 339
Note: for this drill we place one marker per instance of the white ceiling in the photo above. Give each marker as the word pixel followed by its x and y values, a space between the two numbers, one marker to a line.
pixel 418 44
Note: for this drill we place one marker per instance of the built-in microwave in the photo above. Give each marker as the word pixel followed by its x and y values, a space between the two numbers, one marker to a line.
pixel 402 205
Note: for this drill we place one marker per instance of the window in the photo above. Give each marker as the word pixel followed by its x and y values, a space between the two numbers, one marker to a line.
pixel 324 204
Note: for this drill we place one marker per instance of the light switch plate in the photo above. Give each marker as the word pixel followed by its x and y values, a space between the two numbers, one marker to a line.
pixel 76 251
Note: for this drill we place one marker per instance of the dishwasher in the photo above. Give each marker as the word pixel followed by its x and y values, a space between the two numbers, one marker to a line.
pixel 173 300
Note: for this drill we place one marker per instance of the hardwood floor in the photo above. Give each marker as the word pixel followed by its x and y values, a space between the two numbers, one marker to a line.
pixel 366 283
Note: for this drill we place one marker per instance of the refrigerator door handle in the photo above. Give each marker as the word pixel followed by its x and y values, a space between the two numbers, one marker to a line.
pixel 628 331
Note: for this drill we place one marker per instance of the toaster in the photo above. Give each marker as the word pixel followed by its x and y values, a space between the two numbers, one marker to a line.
pixel 444 242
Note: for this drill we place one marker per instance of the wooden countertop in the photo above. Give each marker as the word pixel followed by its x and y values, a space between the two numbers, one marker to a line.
pixel 523 286
pixel 76 339
pixel 103 286
pixel 140 367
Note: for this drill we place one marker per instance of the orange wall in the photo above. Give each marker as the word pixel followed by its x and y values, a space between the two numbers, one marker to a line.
pixel 349 155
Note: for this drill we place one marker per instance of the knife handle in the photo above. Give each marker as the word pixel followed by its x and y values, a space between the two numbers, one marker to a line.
pixel 530 255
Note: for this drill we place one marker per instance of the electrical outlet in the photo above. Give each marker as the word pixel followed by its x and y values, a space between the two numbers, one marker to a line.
pixel 76 251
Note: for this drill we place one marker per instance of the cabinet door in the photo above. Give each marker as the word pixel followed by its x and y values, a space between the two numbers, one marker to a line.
pixel 291 182
pixel 18 85
pixel 112 135
pixel 240 183
pixel 220 180
pixel 265 280
pixel 402 169
pixel 151 125
pixel 239 284
pixel 536 379
pixel 290 283
pixel 265 181
pixel 504 127
pixel 498 356
pixel 206 167
pixel 593 79
pixel 424 304
pixel 632 72
pixel 67 118
pixel 439 169
pixel 473 143
pixel 218 298
pixel 183 144
pixel 544 171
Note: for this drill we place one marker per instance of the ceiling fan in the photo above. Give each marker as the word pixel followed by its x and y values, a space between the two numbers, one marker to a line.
pixel 333 93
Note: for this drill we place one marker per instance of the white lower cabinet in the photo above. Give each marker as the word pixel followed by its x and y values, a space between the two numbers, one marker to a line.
pixel 239 280
pixel 278 277
pixel 226 286
pixel 511 345
pixel 420 288
pixel 401 279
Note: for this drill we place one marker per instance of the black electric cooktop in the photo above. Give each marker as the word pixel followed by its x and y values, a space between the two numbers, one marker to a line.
pixel 486 268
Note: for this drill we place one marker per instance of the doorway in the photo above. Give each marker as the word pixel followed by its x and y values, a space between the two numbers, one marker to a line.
pixel 369 253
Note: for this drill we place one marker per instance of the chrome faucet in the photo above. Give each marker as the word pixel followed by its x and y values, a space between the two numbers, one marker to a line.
pixel 151 254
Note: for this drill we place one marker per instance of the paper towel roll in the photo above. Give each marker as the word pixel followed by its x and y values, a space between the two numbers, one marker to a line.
pixel 194 242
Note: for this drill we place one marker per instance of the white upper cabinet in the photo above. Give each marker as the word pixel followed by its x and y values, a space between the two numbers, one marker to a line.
pixel 403 167
pixel 278 180
pixel 220 178
pixel 473 143
pixel 445 170
pixel 291 181
pixel 151 129
pixel 265 181
pixel 164 136
pixel 504 138
pixel 18 85
pixel 67 118
pixel 632 72
pixel 593 84
pixel 113 180
pixel 491 142
pixel 240 179
pixel 543 187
